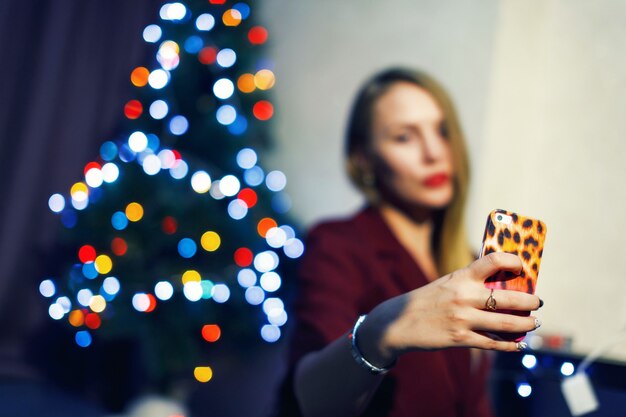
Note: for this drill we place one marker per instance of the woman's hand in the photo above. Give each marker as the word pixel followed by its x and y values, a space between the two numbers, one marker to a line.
pixel 448 312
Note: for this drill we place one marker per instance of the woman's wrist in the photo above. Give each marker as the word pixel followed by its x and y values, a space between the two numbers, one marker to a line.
pixel 372 342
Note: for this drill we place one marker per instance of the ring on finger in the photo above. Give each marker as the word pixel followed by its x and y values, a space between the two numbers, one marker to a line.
pixel 490 304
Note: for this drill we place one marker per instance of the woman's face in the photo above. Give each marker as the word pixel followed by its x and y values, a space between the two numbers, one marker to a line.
pixel 410 153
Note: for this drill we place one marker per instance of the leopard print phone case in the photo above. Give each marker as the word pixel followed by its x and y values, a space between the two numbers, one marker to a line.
pixel 522 236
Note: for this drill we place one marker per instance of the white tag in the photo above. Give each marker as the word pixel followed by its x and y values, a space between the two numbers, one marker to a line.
pixel 579 394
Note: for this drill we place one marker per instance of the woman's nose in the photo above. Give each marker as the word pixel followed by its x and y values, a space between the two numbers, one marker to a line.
pixel 433 146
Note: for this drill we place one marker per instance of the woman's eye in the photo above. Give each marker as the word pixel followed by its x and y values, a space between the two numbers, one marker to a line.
pixel 403 137
pixel 443 130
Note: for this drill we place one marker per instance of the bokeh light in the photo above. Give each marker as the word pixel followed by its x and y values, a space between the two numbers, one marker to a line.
pixel 207 55
pixel 205 22
pixel 201 182
pixel 179 125
pixel 248 196
pixel 203 373
pixel 103 264
pixel 152 33
pixel 191 275
pixel 254 295
pixel 270 281
pixel 76 318
pixel 263 110
pixel 179 170
pixel 87 253
pixel 84 297
pixel 270 333
pixel 119 221
pixel 229 185
pixel 47 288
pixel 110 172
pixel 111 285
pixel 524 389
pixel 192 291
pixel 134 212
pixel 266 261
pixel 223 88
pixel 567 369
pixel 56 202
pixel 93 321
pixel 210 241
pixel 139 76
pixel 220 293
pixel 226 114
pixel 246 277
pixel 133 109
pixel 264 225
pixel 237 209
pixel 141 302
pixel 97 304
pixel 243 257
pixel 187 248
pixel 108 151
pixel 163 290
pixel 246 158
pixel 158 79
pixel 264 79
pixel 137 141
pixel 83 338
pixel 231 17
pixel 254 176
pixel 158 109
pixel 173 11
pixel 226 58
pixel 257 35
pixel 245 83
pixel 169 225
pixel 294 248
pixel 211 332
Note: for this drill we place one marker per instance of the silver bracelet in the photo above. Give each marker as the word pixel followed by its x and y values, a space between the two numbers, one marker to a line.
pixel 358 356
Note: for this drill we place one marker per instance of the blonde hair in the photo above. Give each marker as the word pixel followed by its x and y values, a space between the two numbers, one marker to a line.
pixel 449 240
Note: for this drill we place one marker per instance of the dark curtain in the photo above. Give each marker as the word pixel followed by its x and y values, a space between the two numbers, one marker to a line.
pixel 64 78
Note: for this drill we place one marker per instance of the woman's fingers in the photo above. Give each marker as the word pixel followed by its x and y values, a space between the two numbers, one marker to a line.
pixel 481 341
pixel 507 300
pixel 500 322
pixel 488 265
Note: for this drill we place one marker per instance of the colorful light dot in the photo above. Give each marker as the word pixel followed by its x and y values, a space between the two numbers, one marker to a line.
pixel 248 196
pixel 139 76
pixel 270 281
pixel 89 270
pixel 220 293
pixel 210 241
pixel 272 304
pixel 276 237
pixel 245 83
pixel 133 109
pixel 84 297
pixel 243 8
pixel 110 172
pixel 270 333
pixel 264 225
pixel 97 304
pixel 134 212
pixel 163 290
pixel 158 79
pixel 205 22
pixel 207 55
pixel 229 185
pixel 254 296
pixel 223 88
pixel 87 253
pixel 257 35
pixel 47 288
pixel 237 209
pixel 203 373
pixel 226 114
pixel 79 191
pixel 246 158
pixel 152 33
pixel 76 318
pixel 276 181
pixel 294 248
pixel 263 110
pixel 192 291
pixel 243 257
pixel 158 109
pixel 83 338
pixel 56 202
pixel 152 303
pixel 141 302
pixel 119 246
pixel 169 225
pixel 264 79
pixel 187 248
pixel 246 277
pixel 179 125
pixel 103 264
pixel 226 58
pixel 254 176
pixel 231 17
pixel 92 320
pixel 173 11
pixel 239 126
pixel 56 311
pixel 191 276
pixel 111 285
pixel 201 182
pixel 211 332
pixel 266 261
pixel 119 221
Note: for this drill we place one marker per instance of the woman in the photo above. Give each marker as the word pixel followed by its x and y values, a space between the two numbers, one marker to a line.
pixel 370 301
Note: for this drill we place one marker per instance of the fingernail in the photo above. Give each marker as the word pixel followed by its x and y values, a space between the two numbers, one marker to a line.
pixel 537 323
pixel 521 345
pixel 540 303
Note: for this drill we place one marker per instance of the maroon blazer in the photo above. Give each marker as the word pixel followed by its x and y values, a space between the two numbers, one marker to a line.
pixel 348 268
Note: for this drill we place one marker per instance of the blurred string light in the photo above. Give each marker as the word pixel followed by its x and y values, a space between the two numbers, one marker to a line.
pixel 529 361
pixel 257 275
pixel 567 369
pixel 524 389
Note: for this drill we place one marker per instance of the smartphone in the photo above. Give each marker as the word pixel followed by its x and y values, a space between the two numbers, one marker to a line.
pixel 523 236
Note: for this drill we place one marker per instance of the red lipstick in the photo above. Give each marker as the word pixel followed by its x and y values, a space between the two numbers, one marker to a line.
pixel 436 180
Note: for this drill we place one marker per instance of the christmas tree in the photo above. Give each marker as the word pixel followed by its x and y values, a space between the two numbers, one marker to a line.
pixel 176 236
